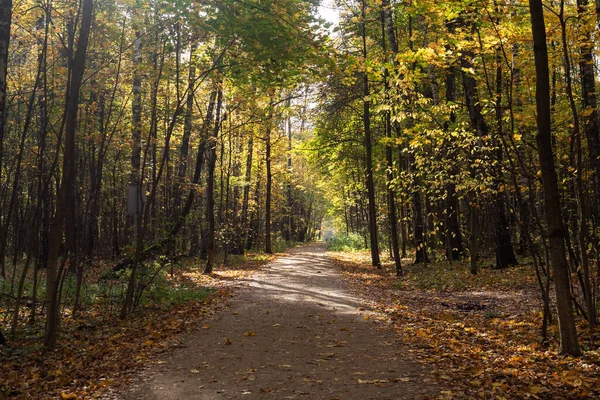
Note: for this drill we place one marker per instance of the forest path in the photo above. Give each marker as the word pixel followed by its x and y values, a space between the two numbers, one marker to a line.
pixel 293 332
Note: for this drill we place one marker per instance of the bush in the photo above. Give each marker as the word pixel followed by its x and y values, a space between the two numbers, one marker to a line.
pixel 344 242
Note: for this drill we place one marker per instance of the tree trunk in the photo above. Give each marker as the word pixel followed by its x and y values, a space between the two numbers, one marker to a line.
pixel 268 247
pixel 368 143
pixel 391 196
pixel 246 194
pixel 210 186
pixel 568 334
pixel 5 23
pixel 66 199
pixel 454 243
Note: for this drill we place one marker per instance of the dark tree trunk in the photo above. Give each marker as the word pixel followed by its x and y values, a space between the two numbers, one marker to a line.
pixel 454 243
pixel 246 194
pixel 287 233
pixel 66 201
pixel 5 23
pixel 210 187
pixel 391 196
pixel 187 131
pixel 419 228
pixel 368 143
pixel 568 334
pixel 505 256
pixel 268 188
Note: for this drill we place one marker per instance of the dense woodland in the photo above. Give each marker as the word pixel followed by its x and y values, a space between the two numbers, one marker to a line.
pixel 136 133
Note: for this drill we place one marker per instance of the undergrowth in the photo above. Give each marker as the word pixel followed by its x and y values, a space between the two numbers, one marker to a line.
pixel 95 347
pixel 349 242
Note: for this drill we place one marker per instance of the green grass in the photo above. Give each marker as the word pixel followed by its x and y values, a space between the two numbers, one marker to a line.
pixel 351 242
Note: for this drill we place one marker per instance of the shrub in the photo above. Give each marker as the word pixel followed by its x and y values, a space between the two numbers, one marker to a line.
pixel 351 242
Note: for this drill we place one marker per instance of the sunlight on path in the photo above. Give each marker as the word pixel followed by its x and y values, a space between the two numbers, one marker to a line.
pixel 294 332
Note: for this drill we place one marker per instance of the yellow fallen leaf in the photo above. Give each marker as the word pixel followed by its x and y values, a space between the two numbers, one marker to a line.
pixel 536 389
pixel 207 326
pixel 249 333
pixel 68 396
pixel 194 371
pixel 227 341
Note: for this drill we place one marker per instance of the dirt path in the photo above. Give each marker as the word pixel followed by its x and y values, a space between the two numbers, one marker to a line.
pixel 294 332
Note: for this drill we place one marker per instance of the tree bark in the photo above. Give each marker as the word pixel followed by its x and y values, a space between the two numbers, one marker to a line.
pixel 268 188
pixel 368 143
pixel 391 196
pixel 569 343
pixel 210 186
pixel 5 23
pixel 66 199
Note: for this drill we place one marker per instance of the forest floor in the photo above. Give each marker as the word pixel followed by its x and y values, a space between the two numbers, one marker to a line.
pixel 479 335
pixel 292 331
pixel 96 349
pixel 312 324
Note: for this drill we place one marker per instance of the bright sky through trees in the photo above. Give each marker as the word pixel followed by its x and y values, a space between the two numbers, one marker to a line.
pixel 329 12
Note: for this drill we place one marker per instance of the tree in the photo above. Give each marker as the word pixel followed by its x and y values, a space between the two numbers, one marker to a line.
pixel 568 335
pixel 64 216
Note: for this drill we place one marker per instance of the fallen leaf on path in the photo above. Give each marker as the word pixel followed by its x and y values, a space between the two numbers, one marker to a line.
pixel 249 333
pixel 68 396
pixel 227 342
pixel 373 381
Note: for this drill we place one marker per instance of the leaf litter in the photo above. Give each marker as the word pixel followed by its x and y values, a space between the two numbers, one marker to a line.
pixel 478 336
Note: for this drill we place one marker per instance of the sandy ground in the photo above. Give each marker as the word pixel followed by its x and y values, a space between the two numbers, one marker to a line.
pixel 292 332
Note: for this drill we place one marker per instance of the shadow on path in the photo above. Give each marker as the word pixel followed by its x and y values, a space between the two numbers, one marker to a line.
pixel 295 333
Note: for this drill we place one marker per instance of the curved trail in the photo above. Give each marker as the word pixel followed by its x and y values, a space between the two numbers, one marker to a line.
pixel 295 332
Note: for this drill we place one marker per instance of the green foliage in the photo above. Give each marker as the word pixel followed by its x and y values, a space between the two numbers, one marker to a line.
pixel 164 294
pixel 351 242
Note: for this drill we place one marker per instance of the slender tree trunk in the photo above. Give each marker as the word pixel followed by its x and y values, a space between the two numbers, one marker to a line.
pixel 134 191
pixel 5 23
pixel 368 143
pixel 210 186
pixel 246 194
pixel 290 215
pixel 268 188
pixel 391 196
pixel 454 243
pixel 568 334
pixel 187 131
pixel 66 199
